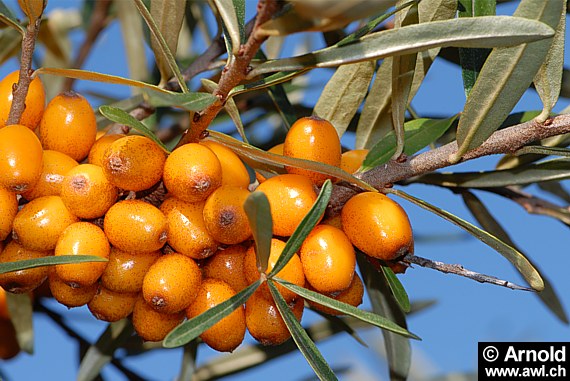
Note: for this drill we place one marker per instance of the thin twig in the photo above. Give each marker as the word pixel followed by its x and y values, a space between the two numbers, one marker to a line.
pixel 233 74
pixel 20 90
pixel 460 270
pixel 97 24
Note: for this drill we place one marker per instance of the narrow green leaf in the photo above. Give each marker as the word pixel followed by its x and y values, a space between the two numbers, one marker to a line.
pixel 10 41
pixel 7 17
pixel 7 267
pixel 258 212
pixel 190 101
pixel 555 169
pixel 403 68
pixel 548 79
pixel 228 10
pixel 341 324
pixel 472 60
pixel 503 79
pixel 557 189
pixel 307 347
pixel 119 116
pixel 542 150
pixel 343 94
pixel 21 311
pixel 255 156
pixel 101 353
pixel 98 77
pixel 398 348
pixel 479 32
pixel 527 270
pixel 488 222
pixel 368 317
pixel 397 289
pixel 419 133
pixel 511 161
pixel 192 328
pixel 162 51
pixel 305 226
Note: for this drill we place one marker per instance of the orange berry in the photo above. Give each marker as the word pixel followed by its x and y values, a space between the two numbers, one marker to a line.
pixel 133 163
pixel 192 172
pixel 4 312
pixel 9 347
pixel 97 151
pixel 234 172
pixel 152 325
pixel 292 272
pixel 290 198
pixel 22 281
pixel 134 225
pixel 352 296
pixel 171 283
pixel 225 217
pixel 264 322
pixel 112 306
pixel 352 160
pixel 8 211
pixel 227 334
pixel 377 225
pixel 55 166
pixel 328 259
pixel 20 158
pixel 316 139
pixel 69 125
pixel 277 149
pixel 70 296
pixel 227 265
pixel 187 233
pixel 125 271
pixel 86 191
pixel 82 238
pixel 35 100
pixel 40 222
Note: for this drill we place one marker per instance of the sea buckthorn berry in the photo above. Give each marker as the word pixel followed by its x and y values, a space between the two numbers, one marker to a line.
pixel 290 198
pixel 134 163
pixel 4 312
pixel 398 267
pixel 86 191
pixel 277 149
pixel 55 166
pixel 125 271
pixel 187 233
pixel 234 172
pixel 328 259
pixel 82 238
pixel 227 334
pixel 264 322
pixel 377 225
pixel 292 272
pixel 22 281
pixel 97 151
pixel 112 306
pixel 35 100
pixel 352 296
pixel 8 211
pixel 227 265
pixel 316 139
pixel 152 325
pixel 20 158
pixel 40 222
pixel 68 295
pixel 134 225
pixel 192 172
pixel 171 283
pixel 9 347
pixel 225 217
pixel 352 160
pixel 68 125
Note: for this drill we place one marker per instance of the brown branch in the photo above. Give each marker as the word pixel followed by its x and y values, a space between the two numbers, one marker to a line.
pixel 97 24
pixel 233 74
pixel 507 140
pixel 460 270
pixel 20 90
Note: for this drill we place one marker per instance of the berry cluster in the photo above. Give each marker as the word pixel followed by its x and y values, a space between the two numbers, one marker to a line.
pixel 65 192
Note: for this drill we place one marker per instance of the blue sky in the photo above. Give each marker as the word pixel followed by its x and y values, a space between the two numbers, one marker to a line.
pixel 465 313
